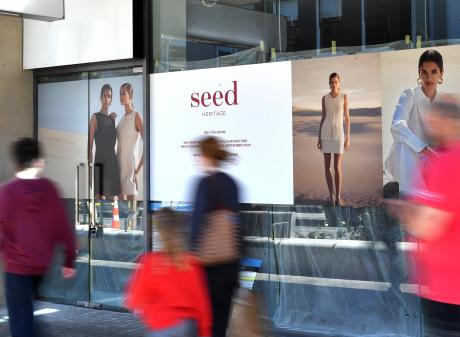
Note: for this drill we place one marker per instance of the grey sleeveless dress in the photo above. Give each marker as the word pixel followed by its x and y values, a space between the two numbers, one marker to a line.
pixel 106 170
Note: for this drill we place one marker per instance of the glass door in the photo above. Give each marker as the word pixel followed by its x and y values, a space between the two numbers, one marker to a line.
pixel 93 141
pixel 62 118
pixel 115 142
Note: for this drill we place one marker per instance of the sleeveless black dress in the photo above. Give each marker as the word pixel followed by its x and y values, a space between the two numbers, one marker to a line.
pixel 106 170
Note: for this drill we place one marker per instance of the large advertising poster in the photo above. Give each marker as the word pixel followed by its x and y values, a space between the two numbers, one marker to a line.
pixel 115 136
pixel 405 105
pixel 356 124
pixel 247 107
pixel 337 131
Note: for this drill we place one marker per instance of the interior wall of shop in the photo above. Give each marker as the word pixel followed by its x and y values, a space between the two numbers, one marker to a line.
pixel 16 97
pixel 453 19
pixel 385 21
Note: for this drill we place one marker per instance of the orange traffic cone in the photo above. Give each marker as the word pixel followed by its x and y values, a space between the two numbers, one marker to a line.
pixel 116 215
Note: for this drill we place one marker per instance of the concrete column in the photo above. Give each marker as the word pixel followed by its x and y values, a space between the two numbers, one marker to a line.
pixel 16 92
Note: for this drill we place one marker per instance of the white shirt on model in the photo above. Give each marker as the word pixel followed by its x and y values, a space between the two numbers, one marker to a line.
pixel 409 137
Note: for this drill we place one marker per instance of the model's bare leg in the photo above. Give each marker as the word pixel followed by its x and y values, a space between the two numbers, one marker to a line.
pixel 338 178
pixel 328 174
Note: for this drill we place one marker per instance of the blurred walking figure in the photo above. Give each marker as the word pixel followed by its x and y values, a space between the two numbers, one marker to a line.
pixel 33 222
pixel 216 233
pixel 169 289
pixel 432 215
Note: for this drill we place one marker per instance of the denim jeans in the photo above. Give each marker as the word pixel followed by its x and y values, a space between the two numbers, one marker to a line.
pixel 20 293
pixel 187 328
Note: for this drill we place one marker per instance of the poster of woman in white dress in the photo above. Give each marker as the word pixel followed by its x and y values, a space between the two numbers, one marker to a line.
pixel 337 137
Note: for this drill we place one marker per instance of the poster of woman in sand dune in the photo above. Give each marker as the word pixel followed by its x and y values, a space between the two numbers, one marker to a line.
pixel 332 139
pixel 337 138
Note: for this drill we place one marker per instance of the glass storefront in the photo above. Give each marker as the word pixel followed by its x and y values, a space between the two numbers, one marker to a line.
pixel 322 270
pixel 325 270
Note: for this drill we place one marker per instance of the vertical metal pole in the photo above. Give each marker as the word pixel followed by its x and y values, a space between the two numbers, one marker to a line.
pixel 148 55
pixel 318 30
pixel 92 208
pixel 279 26
pixel 414 19
pixel 363 25
pixel 77 195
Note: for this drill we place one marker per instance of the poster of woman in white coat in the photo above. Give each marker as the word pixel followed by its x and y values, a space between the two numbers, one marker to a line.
pixel 405 101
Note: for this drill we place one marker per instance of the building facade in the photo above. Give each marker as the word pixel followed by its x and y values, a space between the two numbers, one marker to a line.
pixel 252 72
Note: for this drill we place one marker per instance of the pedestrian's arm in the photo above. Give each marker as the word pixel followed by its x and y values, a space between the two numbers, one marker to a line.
pixel 199 209
pixel 3 218
pixel 136 294
pixel 202 301
pixel 426 222
pixel 65 233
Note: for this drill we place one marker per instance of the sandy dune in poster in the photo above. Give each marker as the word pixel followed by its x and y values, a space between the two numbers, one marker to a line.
pixel 362 163
pixel 64 152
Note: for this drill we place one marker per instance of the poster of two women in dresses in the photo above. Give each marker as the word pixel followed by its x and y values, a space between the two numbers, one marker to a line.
pixel 359 122
pixel 115 134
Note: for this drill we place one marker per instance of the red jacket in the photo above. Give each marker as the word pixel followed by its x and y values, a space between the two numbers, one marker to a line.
pixel 437 260
pixel 33 222
pixel 164 294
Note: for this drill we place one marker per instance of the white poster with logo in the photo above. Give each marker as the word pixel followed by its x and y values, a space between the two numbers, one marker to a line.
pixel 248 107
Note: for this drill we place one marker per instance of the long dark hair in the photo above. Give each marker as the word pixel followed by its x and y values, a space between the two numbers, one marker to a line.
pixel 431 55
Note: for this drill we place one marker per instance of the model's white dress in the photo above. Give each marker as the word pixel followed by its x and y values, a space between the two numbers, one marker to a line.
pixel 332 133
pixel 409 138
pixel 127 148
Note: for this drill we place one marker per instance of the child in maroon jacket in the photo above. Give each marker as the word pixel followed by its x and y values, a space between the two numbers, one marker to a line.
pixel 168 289
pixel 33 222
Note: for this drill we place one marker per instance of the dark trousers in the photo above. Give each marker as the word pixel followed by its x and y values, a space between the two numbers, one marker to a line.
pixel 20 291
pixel 440 319
pixel 222 282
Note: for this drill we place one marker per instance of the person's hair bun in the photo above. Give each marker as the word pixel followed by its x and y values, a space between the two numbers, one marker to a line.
pixel 211 148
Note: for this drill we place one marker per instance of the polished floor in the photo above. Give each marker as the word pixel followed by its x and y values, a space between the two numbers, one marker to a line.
pixel 57 320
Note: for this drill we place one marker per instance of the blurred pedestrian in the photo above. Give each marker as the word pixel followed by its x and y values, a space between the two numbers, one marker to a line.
pixel 432 215
pixel 33 222
pixel 169 288
pixel 216 231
